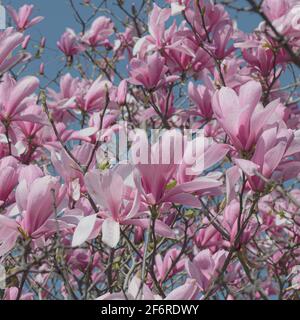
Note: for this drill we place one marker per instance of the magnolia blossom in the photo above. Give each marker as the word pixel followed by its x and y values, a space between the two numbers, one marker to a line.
pixel 242 116
pixel 14 95
pixel 68 43
pixel 9 40
pixel 100 30
pixel 205 266
pixel 150 73
pixel 22 17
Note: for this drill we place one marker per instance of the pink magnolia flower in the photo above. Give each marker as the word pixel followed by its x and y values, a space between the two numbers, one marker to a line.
pixel 259 53
pixel 110 191
pixel 157 38
pixel 35 212
pixel 100 30
pixel 120 204
pixel 150 73
pixel 9 234
pixel 275 9
pixel 95 98
pixel 222 34
pixel 234 73
pixel 214 14
pixel 273 146
pixel 81 259
pixel 195 162
pixel 176 44
pixel 85 95
pixel 231 222
pixel 208 238
pixel 36 217
pixel 22 17
pixel 201 97
pixel 288 23
pixel 8 177
pixel 163 170
pixel 242 116
pixel 9 40
pixel 157 20
pixel 33 120
pixel 124 43
pixel 205 267
pixel 163 265
pixel 68 43
pixel 92 133
pixel 48 139
pixel 60 102
pixel 70 171
pixel 165 104
pixel 68 89
pixel 13 96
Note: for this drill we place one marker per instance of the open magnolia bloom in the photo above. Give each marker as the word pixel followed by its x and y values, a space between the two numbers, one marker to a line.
pixel 120 204
pixel 36 217
pixel 171 174
pixel 272 156
pixel 100 30
pixel 205 267
pixel 243 117
pixel 21 17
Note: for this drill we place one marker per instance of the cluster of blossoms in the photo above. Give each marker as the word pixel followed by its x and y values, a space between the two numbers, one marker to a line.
pixel 93 206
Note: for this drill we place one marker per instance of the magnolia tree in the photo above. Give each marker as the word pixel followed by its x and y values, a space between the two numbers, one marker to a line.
pixel 160 162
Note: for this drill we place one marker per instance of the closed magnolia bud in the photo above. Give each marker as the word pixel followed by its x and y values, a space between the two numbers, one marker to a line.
pixel 108 46
pixel 122 93
pixel 42 42
pixel 138 235
pixel 42 69
pixel 25 42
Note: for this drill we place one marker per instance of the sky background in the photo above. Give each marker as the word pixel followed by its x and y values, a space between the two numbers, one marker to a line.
pixel 58 15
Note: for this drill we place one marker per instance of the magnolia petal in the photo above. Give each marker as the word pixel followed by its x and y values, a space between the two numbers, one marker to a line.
pixel 247 166
pixel 176 8
pixel 110 232
pixel 83 230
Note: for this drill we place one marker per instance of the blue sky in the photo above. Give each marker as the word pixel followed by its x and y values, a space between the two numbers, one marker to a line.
pixel 58 15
